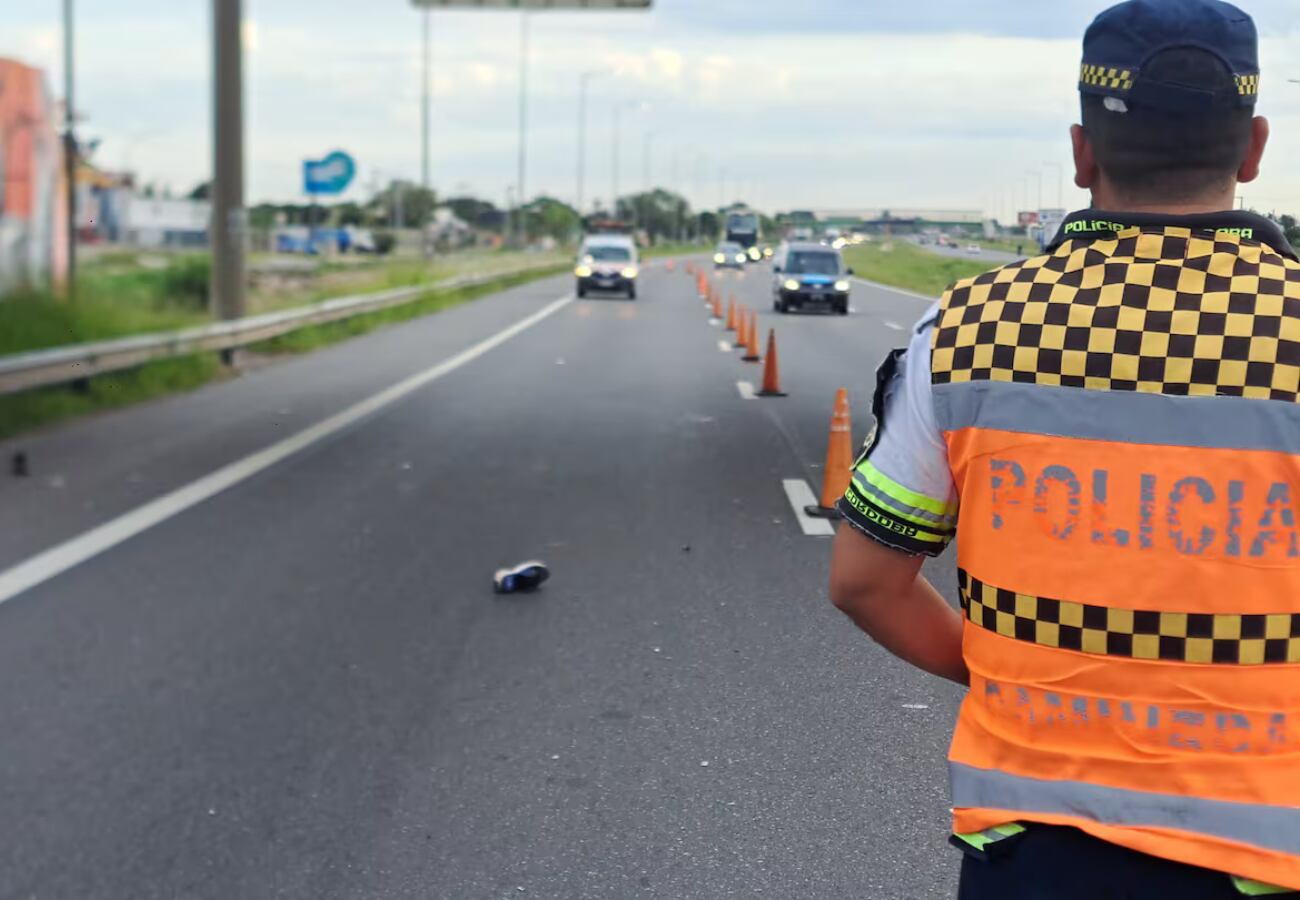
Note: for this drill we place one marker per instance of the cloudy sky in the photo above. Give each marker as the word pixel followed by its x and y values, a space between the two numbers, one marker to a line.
pixel 954 104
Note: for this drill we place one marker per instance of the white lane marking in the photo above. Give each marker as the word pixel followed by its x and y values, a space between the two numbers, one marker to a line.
pixel 746 390
pixel 62 557
pixel 886 287
pixel 894 325
pixel 724 346
pixel 852 308
pixel 800 495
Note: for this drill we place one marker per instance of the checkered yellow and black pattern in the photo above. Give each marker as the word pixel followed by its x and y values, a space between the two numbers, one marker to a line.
pixel 1230 638
pixel 1247 85
pixel 1163 311
pixel 1106 77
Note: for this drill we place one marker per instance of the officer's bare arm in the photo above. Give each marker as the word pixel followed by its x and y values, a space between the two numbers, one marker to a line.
pixel 883 592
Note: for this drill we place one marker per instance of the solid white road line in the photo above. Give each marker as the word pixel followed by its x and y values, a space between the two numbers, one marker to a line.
pixel 800 495
pixel 724 346
pixel 886 287
pixel 746 390
pixel 59 559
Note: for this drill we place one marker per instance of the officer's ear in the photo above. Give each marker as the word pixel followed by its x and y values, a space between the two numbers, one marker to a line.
pixel 1085 161
pixel 1249 170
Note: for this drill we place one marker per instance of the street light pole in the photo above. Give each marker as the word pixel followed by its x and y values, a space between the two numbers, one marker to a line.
pixel 647 145
pixel 228 214
pixel 1060 183
pixel 584 80
pixel 424 105
pixel 70 145
pixel 613 193
pixel 523 125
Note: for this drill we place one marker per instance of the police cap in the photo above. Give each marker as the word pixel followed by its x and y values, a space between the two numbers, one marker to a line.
pixel 1125 37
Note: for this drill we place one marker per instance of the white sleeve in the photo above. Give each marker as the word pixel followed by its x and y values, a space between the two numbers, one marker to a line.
pixel 902 492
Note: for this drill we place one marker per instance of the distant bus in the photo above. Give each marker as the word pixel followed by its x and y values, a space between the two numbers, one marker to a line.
pixel 741 228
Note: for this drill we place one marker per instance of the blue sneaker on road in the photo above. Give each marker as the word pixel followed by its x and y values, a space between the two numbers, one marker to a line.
pixel 523 578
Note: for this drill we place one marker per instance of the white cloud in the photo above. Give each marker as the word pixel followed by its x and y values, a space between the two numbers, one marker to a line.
pixel 832 115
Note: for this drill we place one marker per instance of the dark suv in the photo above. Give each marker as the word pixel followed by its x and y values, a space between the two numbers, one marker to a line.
pixel 808 274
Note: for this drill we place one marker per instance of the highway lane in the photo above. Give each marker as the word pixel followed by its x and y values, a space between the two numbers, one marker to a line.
pixel 303 687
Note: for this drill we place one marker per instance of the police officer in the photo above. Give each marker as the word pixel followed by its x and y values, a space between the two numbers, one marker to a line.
pixel 1111 432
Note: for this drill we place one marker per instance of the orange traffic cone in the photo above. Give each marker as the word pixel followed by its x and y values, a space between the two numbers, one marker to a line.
pixel 742 327
pixel 839 460
pixel 771 371
pixel 731 313
pixel 690 268
pixel 671 265
pixel 751 344
pixel 701 285
pixel 717 305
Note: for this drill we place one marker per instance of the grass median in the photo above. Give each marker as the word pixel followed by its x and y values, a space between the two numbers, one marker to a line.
pixel 904 265
pixel 30 409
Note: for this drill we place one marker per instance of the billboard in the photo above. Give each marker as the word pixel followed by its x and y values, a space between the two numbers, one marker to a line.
pixel 1027 217
pixel 32 249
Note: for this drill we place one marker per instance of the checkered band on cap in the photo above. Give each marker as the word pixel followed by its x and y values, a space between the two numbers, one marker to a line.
pixel 1106 77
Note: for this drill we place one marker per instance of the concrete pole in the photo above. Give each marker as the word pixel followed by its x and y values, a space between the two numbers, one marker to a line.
pixel 228 228
pixel 70 144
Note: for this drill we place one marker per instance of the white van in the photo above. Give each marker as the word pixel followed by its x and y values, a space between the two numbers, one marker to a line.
pixel 607 262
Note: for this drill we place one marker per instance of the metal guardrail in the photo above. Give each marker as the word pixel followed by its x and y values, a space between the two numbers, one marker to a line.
pixel 63 365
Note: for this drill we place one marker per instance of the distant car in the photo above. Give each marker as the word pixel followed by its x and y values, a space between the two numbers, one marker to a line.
pixel 607 262
pixel 974 249
pixel 768 253
pixel 810 275
pixel 729 255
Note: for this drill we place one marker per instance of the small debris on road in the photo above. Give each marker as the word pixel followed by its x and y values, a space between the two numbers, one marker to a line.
pixel 560 361
pixel 686 548
pixel 704 764
pixel 522 579
pixel 18 465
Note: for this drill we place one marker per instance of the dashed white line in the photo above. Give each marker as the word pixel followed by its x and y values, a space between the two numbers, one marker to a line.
pixel 724 346
pixel 800 495
pixel 59 559
pixel 894 325
pixel 746 390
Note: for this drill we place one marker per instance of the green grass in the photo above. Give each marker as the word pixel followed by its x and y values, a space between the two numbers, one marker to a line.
pixel 905 265
pixel 21 412
pixel 30 409
pixel 305 339
pixel 111 302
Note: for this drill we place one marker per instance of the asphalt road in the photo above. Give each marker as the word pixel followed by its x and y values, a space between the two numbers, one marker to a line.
pixel 303 687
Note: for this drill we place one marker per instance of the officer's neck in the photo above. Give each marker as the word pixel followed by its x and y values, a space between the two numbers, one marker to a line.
pixel 1105 197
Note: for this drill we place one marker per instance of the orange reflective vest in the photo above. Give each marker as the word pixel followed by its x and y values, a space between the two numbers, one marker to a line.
pixel 1122 424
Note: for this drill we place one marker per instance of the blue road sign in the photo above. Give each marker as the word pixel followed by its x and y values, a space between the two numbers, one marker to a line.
pixel 330 175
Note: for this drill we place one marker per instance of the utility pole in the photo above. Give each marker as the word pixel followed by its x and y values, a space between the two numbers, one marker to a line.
pixel 70 144
pixel 228 231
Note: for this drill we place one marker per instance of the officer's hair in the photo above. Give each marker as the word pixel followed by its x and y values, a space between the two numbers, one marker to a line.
pixel 1156 156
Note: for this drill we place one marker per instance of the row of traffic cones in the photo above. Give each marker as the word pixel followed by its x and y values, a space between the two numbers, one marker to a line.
pixel 839 446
